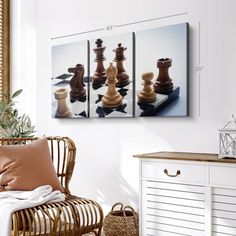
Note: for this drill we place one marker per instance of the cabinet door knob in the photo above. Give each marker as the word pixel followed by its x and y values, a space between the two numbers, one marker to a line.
pixel 177 173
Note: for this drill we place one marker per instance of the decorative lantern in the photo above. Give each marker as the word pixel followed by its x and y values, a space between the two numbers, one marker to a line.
pixel 228 139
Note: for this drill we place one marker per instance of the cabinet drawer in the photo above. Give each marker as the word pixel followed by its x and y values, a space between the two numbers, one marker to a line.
pixel 221 175
pixel 174 171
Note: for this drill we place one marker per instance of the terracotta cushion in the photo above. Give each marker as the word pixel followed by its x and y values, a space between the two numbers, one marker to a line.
pixel 26 167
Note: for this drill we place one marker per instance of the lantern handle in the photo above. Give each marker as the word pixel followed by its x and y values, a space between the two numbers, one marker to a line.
pixel 227 124
pixel 233 118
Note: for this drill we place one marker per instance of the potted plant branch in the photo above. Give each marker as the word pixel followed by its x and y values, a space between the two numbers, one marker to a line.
pixel 13 125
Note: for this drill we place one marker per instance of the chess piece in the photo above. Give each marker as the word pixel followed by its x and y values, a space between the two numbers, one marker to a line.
pixel 77 85
pixel 99 75
pixel 122 76
pixel 62 108
pixel 147 94
pixel 112 98
pixel 163 84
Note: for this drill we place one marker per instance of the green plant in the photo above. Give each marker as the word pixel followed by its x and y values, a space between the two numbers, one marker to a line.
pixel 12 125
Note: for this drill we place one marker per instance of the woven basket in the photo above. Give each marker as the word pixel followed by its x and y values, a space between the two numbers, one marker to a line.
pixel 122 222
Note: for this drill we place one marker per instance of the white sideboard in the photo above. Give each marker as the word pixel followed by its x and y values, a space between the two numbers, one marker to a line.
pixel 187 194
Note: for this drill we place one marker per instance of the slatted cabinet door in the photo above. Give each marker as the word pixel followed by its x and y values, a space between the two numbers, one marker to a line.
pixel 223 212
pixel 172 209
pixel 184 194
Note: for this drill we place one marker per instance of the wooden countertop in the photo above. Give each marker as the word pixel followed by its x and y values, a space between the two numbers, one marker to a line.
pixel 185 156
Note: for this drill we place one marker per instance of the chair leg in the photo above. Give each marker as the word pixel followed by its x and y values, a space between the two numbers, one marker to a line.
pixel 100 231
pixel 97 232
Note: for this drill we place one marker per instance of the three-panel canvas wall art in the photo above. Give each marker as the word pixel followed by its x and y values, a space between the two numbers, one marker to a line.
pixel 135 74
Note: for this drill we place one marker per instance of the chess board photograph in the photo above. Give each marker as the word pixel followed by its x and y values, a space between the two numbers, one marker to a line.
pixel 134 74
pixel 107 100
pixel 69 80
pixel 162 71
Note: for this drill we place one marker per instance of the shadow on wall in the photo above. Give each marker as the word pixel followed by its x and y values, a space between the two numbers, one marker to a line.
pixel 118 190
pixel 105 171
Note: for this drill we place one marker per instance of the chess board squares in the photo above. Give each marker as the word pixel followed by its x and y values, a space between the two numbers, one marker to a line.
pixel 153 108
pixel 149 109
pixel 108 112
pixel 97 109
pixel 63 76
pixel 116 114
pixel 57 81
pixel 79 109
pixel 121 111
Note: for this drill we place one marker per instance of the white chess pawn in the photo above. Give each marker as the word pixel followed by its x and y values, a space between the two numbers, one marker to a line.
pixel 147 94
pixel 62 108
pixel 112 98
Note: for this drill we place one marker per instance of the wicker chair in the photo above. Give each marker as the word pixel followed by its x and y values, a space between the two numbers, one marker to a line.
pixel 74 216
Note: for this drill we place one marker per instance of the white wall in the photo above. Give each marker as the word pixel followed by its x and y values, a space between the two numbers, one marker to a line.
pixel 105 169
pixel 24 54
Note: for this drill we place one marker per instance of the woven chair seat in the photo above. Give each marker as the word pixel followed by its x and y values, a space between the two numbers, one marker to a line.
pixel 73 217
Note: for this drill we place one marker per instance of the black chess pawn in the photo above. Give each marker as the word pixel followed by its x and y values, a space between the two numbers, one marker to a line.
pixel 163 84
pixel 99 76
pixel 77 85
pixel 122 76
